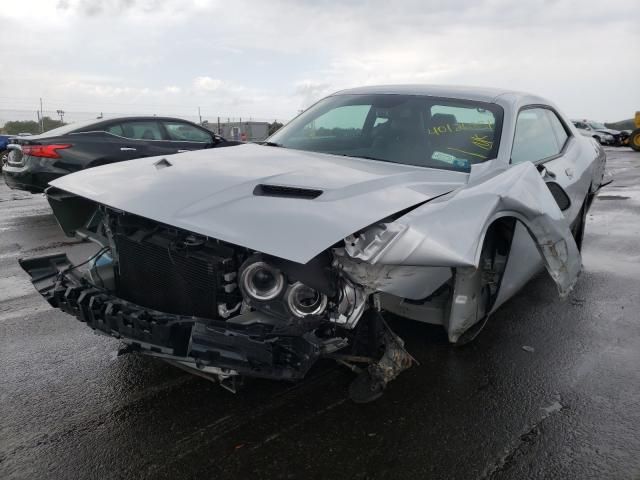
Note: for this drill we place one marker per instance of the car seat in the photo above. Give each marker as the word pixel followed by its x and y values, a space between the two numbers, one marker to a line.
pixel 148 135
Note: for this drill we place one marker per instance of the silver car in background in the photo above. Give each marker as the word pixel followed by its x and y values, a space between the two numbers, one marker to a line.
pixel 598 131
pixel 434 203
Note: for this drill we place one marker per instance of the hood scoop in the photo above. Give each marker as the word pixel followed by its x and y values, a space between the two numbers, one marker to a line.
pixel 285 191
pixel 163 163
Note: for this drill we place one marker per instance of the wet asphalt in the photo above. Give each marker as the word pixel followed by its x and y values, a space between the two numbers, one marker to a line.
pixel 566 406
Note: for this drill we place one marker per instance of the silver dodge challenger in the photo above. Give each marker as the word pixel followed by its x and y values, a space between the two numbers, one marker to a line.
pixel 436 204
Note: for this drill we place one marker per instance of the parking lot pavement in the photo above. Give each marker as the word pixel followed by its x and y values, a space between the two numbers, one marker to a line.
pixel 566 406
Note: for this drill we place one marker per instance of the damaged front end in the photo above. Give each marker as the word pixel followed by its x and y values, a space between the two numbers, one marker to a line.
pixel 220 310
pixel 227 311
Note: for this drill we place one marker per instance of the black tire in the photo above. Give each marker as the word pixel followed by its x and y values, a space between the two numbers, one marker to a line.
pixel 597 138
pixel 634 140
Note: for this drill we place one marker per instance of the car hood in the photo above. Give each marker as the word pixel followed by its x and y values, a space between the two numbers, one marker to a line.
pixel 213 192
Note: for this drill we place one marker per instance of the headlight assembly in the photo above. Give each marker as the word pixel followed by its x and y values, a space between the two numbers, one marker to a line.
pixel 304 301
pixel 261 282
pixel 278 292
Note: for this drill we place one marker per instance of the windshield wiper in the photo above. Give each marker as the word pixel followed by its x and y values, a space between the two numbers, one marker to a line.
pixel 363 156
pixel 272 144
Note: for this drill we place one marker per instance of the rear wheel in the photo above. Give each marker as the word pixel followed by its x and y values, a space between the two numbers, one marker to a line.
pixel 634 140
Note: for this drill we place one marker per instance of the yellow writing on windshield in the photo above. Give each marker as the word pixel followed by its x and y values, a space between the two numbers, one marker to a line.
pixel 481 142
pixel 458 127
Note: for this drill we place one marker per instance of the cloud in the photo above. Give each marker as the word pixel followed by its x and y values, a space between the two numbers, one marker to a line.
pixel 269 59
pixel 100 7
pixel 206 84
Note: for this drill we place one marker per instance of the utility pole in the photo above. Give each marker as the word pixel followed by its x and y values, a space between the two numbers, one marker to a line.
pixel 41 117
pixel 219 131
pixel 199 116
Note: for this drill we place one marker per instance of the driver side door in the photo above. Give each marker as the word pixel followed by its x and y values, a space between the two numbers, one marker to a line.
pixel 541 137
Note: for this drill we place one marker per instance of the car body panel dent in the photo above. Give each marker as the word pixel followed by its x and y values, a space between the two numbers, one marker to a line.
pixel 520 193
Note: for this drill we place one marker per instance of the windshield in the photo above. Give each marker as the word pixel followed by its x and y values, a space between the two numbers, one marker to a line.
pixel 597 126
pixel 417 130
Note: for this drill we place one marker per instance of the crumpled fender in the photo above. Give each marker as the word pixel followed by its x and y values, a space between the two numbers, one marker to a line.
pixel 449 231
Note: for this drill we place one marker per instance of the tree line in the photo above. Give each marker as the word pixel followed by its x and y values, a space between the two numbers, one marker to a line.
pixel 15 127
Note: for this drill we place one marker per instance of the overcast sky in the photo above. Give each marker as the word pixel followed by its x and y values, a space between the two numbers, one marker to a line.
pixel 268 59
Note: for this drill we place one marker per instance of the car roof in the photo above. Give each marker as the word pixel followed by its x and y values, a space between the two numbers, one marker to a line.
pixel 481 94
pixel 75 126
pixel 142 118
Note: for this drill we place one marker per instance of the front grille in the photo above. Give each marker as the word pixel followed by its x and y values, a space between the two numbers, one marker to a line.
pixel 185 281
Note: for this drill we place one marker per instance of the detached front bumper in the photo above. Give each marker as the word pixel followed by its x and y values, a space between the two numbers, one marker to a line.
pixel 248 347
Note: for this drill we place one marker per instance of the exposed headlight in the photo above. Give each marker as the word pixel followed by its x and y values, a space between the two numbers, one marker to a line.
pixel 304 301
pixel 261 281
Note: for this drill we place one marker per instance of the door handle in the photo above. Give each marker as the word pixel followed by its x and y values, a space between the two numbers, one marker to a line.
pixel 127 149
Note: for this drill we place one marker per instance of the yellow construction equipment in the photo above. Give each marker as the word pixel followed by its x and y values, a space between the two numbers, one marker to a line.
pixel 634 138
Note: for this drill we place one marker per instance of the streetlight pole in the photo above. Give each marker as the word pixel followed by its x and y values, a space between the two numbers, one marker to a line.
pixel 41 117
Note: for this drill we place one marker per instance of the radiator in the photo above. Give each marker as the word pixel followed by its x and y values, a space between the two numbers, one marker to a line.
pixel 155 274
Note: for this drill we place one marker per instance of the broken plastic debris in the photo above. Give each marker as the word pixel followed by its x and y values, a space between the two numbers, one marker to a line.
pixel 527 348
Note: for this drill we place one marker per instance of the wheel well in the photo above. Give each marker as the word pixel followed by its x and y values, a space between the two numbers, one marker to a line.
pixel 495 253
pixel 481 285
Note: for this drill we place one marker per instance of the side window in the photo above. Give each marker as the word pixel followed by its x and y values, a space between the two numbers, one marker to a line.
pixel 558 129
pixel 535 138
pixel 183 132
pixel 116 129
pixel 141 130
